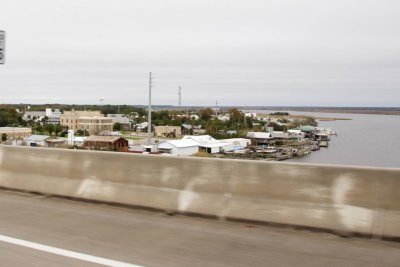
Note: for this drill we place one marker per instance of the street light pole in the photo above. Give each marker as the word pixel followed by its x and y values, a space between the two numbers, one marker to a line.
pixel 149 114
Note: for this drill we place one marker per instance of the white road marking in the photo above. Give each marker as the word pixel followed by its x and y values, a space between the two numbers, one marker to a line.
pixel 66 253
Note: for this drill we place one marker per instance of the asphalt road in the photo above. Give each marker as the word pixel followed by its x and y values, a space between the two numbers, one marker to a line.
pixel 143 238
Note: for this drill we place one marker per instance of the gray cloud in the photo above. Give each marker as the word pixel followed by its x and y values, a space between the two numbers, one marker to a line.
pixel 281 52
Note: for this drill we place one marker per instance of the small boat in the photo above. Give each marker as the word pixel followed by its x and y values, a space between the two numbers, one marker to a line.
pixel 322 139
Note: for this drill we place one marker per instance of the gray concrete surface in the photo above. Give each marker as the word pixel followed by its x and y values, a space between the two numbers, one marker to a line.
pixel 335 198
pixel 156 239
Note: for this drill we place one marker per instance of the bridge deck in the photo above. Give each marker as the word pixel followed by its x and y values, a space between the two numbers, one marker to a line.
pixel 154 239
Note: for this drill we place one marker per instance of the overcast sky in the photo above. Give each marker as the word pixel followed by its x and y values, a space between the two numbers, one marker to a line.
pixel 250 52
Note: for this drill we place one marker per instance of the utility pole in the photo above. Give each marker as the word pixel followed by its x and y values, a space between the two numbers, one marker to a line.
pixel 245 124
pixel 149 113
pixel 180 98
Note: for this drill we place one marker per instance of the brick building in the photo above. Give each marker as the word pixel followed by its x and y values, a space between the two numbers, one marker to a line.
pixel 115 143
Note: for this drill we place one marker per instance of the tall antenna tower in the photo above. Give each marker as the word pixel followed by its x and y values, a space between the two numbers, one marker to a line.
pixel 149 113
pixel 216 108
pixel 180 98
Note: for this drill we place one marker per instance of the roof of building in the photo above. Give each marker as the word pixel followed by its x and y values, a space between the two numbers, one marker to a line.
pixel 179 143
pixel 214 144
pixel 56 140
pixel 36 138
pixel 110 133
pixel 36 113
pixel 116 115
pixel 120 118
pixel 199 138
pixel 98 138
pixel 307 128
pixel 15 129
pixel 83 113
pixel 260 135
pixel 278 134
pixel 235 140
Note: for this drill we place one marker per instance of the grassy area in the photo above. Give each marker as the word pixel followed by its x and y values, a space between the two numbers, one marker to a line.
pixel 203 155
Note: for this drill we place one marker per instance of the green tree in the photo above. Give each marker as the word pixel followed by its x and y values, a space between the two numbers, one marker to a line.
pixel 57 129
pixel 206 114
pixel 49 128
pixel 9 116
pixel 45 119
pixel 39 129
pixel 117 126
pixel 236 118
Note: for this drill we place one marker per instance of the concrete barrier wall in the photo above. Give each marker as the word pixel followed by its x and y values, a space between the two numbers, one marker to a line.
pixel 336 198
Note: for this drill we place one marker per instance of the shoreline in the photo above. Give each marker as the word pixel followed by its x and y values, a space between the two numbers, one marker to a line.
pixel 345 111
pixel 366 111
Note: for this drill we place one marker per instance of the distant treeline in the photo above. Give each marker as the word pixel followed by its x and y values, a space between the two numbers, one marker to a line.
pixel 105 109
pixel 9 116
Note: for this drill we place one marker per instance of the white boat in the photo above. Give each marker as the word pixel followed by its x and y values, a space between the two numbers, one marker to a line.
pixel 322 139
pixel 327 131
pixel 323 143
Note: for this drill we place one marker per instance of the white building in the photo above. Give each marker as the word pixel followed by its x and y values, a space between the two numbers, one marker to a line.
pixel 215 147
pixel 141 126
pixel 75 140
pixel 209 144
pixel 297 133
pixel 224 117
pixel 191 144
pixel 259 135
pixel 34 115
pixel 238 143
pixel 250 114
pixel 36 140
pixel 181 147
pixel 79 140
pixel 53 116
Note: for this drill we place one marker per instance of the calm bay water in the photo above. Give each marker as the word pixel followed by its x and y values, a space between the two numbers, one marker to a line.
pixel 366 140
